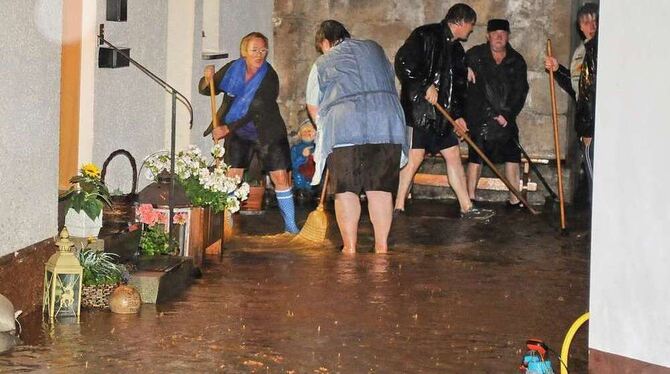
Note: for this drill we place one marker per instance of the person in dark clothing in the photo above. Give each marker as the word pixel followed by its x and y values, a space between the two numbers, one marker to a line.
pixel 496 94
pixel 580 81
pixel 431 68
pixel 250 118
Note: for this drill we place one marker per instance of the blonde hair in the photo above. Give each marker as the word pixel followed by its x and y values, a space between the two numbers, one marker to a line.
pixel 247 38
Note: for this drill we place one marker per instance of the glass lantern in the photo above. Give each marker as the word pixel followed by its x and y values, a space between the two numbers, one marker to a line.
pixel 158 195
pixel 62 281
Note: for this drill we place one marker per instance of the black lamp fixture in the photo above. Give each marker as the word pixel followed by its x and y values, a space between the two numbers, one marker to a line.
pixel 117 10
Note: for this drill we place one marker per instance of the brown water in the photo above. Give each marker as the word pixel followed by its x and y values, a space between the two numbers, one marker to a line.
pixel 452 297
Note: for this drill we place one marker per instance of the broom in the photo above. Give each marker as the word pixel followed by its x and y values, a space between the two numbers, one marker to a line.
pixel 557 146
pixel 315 228
pixel 227 217
pixel 488 162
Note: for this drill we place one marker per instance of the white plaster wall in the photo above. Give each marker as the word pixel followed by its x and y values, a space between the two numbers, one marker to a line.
pixel 630 260
pixel 181 26
pixel 237 18
pixel 129 107
pixel 30 40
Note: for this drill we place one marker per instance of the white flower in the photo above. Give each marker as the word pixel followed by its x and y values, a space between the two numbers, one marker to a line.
pixel 218 150
pixel 232 204
pixel 242 192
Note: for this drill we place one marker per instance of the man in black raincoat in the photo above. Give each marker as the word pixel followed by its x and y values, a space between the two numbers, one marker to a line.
pixel 431 68
pixel 496 94
pixel 580 81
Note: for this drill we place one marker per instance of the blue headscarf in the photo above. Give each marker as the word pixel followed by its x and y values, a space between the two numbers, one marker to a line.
pixel 243 93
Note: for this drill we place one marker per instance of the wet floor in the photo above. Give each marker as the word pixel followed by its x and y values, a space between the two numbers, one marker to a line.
pixel 452 297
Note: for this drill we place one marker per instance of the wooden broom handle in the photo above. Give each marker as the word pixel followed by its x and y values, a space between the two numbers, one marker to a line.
pixel 557 146
pixel 212 100
pixel 324 187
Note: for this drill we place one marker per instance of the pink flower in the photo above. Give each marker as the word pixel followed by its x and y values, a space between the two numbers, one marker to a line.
pixel 179 218
pixel 162 218
pixel 147 214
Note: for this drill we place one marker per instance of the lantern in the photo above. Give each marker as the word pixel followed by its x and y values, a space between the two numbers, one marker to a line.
pixel 158 195
pixel 62 281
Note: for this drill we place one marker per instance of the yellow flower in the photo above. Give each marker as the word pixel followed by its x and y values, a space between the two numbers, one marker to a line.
pixel 90 170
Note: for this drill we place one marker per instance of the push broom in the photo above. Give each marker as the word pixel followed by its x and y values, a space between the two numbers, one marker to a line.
pixel 315 228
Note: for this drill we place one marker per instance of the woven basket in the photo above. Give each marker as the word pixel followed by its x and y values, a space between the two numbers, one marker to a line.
pixel 97 296
pixel 122 210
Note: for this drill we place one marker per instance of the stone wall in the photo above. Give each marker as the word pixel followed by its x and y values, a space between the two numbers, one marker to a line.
pixel 390 22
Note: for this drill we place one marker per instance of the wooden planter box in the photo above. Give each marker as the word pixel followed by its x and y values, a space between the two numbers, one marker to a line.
pixel 205 231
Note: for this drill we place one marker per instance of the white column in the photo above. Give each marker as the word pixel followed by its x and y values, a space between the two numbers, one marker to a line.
pixel 89 46
pixel 180 54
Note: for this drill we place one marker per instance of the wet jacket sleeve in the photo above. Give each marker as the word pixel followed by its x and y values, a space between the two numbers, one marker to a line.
pixel 518 92
pixel 484 109
pixel 411 64
pixel 562 76
pixel 586 104
pixel 459 82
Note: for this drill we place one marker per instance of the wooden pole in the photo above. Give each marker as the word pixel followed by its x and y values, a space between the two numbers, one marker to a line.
pixel 226 217
pixel 488 162
pixel 557 144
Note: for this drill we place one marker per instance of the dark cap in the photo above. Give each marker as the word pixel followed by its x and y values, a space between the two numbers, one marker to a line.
pixel 497 24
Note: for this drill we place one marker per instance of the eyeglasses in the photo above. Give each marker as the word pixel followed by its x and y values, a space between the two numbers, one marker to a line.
pixel 261 52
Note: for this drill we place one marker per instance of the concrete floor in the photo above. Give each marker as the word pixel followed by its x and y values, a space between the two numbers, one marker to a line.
pixel 452 297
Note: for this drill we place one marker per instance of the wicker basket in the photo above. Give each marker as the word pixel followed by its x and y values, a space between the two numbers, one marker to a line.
pixel 97 296
pixel 122 210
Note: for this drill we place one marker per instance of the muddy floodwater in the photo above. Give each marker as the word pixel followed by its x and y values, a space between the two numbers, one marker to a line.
pixel 452 296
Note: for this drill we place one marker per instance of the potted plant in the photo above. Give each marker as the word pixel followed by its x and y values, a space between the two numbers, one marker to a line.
pixel 208 187
pixel 253 176
pixel 206 182
pixel 85 201
pixel 155 240
pixel 101 275
pixel 254 201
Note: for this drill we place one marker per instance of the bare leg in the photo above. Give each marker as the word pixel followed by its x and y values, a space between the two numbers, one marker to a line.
pixel 348 212
pixel 473 174
pixel 281 179
pixel 456 174
pixel 512 175
pixel 380 207
pixel 406 176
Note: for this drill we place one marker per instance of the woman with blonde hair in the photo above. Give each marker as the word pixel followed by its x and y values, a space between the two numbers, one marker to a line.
pixel 250 119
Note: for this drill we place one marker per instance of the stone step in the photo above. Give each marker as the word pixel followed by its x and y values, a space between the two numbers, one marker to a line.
pixel 437 166
pixel 161 278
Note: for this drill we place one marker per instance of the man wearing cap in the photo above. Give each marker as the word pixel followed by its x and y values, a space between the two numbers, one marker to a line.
pixel 431 68
pixel 496 94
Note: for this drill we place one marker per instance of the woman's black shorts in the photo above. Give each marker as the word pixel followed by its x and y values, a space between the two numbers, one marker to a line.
pixel 366 167
pixel 239 152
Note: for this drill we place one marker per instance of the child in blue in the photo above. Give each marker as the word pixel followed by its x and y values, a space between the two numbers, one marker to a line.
pixel 302 160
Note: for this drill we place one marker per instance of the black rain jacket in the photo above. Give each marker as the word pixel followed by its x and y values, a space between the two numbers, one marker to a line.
pixel 430 55
pixel 586 100
pixel 500 89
